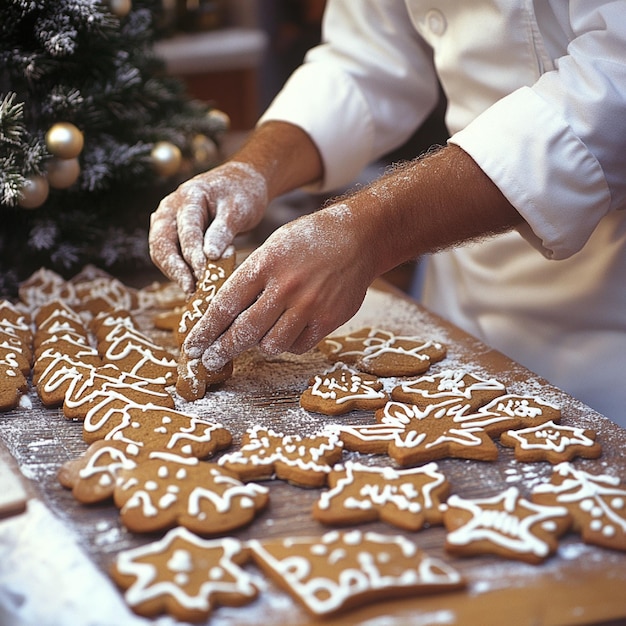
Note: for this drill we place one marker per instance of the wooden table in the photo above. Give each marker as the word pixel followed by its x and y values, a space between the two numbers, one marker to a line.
pixel 57 554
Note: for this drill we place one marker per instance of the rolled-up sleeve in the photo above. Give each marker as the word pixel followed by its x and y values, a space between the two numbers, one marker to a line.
pixel 557 149
pixel 363 91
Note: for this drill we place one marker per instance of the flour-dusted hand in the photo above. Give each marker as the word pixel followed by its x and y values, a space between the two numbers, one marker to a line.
pixel 202 217
pixel 307 279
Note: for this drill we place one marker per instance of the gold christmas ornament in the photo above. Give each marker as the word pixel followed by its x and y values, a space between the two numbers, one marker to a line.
pixel 220 121
pixel 204 150
pixel 64 140
pixel 63 173
pixel 166 158
pixel 121 8
pixel 34 192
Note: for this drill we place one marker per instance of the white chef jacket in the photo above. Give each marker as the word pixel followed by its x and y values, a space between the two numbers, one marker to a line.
pixel 536 95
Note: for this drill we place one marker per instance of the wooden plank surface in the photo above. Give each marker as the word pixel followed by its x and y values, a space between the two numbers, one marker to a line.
pixel 580 585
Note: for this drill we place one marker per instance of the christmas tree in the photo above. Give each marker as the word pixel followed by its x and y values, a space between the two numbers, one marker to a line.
pixel 92 134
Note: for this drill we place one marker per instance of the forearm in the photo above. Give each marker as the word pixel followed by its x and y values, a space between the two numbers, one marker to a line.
pixel 427 205
pixel 284 155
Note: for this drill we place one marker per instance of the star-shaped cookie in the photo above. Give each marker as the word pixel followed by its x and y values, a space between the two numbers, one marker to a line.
pixel 506 524
pixel 552 442
pixel 184 575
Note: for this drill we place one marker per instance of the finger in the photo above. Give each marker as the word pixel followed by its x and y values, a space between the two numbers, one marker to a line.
pixel 217 238
pixel 192 222
pixel 310 336
pixel 235 296
pixel 164 249
pixel 283 334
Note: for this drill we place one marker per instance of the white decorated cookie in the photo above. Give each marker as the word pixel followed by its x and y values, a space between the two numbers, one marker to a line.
pixel 341 389
pixel 506 525
pixel 341 570
pixel 597 503
pixel 408 498
pixel 184 575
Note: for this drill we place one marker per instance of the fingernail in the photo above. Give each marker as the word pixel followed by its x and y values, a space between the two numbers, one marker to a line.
pixel 193 352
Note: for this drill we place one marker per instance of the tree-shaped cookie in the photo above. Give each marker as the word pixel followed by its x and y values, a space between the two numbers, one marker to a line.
pixel 552 442
pixel 450 385
pixel 411 436
pixel 408 498
pixel 303 461
pixel 184 575
pixel 342 389
pixel 506 524
pixel 193 377
pixel 597 503
pixel 340 570
pixel 160 493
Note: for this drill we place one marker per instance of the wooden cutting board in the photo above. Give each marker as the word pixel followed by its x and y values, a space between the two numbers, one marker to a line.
pixel 579 585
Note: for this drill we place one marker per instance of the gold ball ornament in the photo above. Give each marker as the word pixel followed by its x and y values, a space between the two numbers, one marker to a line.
pixel 63 173
pixel 34 192
pixel 64 140
pixel 166 158
pixel 219 121
pixel 120 8
pixel 205 151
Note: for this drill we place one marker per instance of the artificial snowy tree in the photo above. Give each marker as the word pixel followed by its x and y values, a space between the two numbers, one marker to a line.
pixel 92 134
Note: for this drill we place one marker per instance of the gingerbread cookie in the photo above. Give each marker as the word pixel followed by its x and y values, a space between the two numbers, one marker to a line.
pixel 408 499
pixel 411 436
pixel 163 296
pixel 43 286
pixel 450 385
pixel 184 576
pixel 166 491
pixel 92 476
pixel 342 389
pixel 155 428
pixel 552 442
pixel 596 502
pixel 511 412
pixel 506 525
pixel 341 570
pixel 193 377
pixel 13 384
pixel 103 293
pixel 94 386
pixel 302 461
pixel 383 353
pixel 122 343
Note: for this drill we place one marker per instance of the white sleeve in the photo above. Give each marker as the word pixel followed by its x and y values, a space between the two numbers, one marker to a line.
pixel 557 149
pixel 364 90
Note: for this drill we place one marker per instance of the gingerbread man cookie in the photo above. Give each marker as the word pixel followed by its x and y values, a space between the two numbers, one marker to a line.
pixel 341 570
pixel 342 389
pixel 193 377
pixel 167 490
pixel 506 524
pixel 184 575
pixel 597 503
pixel 408 499
pixel 552 442
pixel 302 461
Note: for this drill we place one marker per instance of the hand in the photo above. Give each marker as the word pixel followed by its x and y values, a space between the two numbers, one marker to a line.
pixel 228 199
pixel 307 279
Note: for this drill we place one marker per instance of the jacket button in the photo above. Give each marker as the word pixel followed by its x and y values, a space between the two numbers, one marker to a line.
pixel 435 21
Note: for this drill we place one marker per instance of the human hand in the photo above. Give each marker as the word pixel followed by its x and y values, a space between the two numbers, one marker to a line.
pixel 224 202
pixel 307 279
